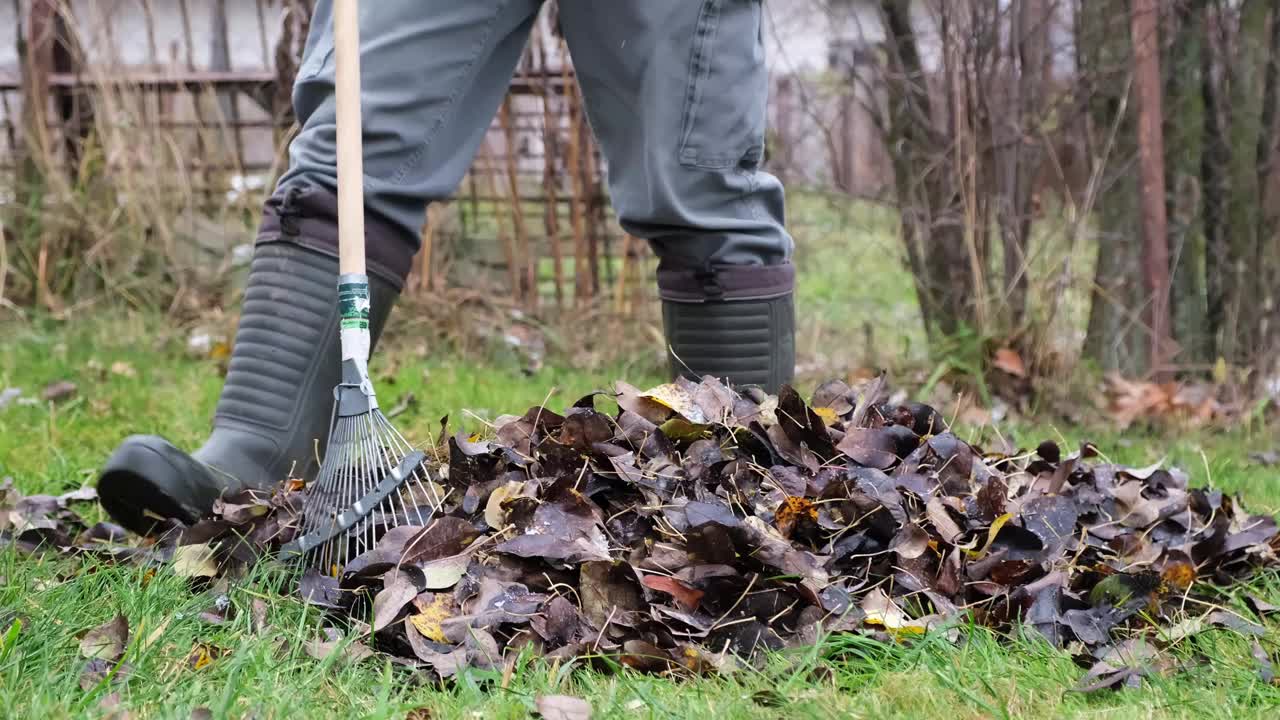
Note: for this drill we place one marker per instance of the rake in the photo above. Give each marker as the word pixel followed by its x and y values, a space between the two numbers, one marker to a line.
pixel 371 478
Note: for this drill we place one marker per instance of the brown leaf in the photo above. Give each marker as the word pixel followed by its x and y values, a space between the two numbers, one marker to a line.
pixel 802 425
pixel 107 641
pixel 910 542
pixel 96 670
pixel 947 528
pixel 1009 361
pixel 259 616
pixel 563 707
pixel 607 589
pixel 685 595
pixel 321 649
pixel 445 536
pixel 59 391
pixel 389 601
pixel 871 447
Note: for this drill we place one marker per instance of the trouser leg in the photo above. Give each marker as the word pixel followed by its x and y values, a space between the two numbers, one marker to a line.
pixel 433 74
pixel 676 93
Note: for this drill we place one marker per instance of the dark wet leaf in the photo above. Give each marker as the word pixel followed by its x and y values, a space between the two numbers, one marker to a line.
pixel 1125 664
pixel 802 425
pixel 441 538
pixel 555 547
pixel 833 394
pixel 321 590
pixel 608 590
pixel 871 447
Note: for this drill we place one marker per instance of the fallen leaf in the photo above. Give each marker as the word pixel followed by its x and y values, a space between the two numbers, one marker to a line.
pixel 431 616
pixel 123 368
pixel 59 391
pixel 563 707
pixel 107 641
pixel 196 560
pixel 388 603
pixel 685 595
pixel 96 670
pixel 494 515
pixel 444 573
pixel 203 655
pixel 321 649
pixel 1010 361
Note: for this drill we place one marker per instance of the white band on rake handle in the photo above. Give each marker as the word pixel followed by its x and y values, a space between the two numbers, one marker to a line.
pixel 353 311
pixel 360 510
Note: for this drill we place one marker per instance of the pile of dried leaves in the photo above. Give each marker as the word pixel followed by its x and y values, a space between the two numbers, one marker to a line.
pixel 697 526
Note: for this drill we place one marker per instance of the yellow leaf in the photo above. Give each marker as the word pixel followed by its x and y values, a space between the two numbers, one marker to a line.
pixel 675 398
pixel 203 655
pixel 429 621
pixel 220 351
pixel 1179 575
pixel 494 515
pixel 991 536
pixel 1220 370
pixel 828 415
pixel 682 430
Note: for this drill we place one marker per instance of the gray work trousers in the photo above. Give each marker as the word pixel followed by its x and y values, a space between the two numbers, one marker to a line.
pixel 675 92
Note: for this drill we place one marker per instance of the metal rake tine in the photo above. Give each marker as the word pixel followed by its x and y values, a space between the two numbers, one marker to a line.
pixel 359 510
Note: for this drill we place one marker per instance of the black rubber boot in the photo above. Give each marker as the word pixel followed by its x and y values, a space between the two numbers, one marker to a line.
pixel 272 418
pixel 736 323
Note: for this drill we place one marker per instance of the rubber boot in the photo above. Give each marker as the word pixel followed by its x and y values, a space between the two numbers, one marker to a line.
pixel 274 412
pixel 735 323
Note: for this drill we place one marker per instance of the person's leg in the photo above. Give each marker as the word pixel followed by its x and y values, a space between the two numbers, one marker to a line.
pixel 433 73
pixel 676 92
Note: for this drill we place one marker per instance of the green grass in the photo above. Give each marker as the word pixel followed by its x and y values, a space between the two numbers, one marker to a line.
pixel 53 448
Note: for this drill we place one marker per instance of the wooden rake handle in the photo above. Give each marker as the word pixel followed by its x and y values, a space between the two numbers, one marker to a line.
pixel 346 40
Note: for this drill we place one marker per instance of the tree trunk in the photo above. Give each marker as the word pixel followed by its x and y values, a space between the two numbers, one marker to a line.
pixel 1145 37
pixel 1215 162
pixel 1266 240
pixel 1113 340
pixel 926 179
pixel 1184 151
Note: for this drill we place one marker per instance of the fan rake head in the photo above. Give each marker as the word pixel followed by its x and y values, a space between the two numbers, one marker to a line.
pixel 371 479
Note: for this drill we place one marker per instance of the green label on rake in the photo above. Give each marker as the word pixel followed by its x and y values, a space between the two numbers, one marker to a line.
pixel 353 305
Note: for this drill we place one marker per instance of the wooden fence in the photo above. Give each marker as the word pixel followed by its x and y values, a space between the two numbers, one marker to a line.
pixel 531 216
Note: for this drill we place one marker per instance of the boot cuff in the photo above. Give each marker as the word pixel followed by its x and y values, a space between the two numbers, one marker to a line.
pixel 726 283
pixel 308 216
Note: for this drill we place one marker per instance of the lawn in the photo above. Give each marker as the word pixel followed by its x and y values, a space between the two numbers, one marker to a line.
pixel 133 378
pixel 133 375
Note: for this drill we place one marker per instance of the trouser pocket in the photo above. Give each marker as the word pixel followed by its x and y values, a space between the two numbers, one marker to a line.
pixel 723 123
